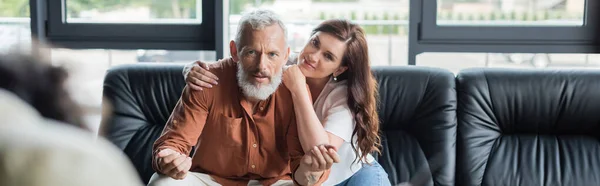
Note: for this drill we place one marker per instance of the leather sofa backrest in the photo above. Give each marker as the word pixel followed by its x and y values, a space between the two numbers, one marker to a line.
pixel 418 122
pixel 528 127
pixel 141 98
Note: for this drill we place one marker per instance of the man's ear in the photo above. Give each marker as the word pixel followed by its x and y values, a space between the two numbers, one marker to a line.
pixel 340 70
pixel 287 54
pixel 233 51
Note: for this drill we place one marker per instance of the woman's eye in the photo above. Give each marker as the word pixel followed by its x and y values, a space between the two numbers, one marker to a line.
pixel 329 57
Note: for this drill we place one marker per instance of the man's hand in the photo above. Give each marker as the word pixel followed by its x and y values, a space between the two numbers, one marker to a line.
pixel 173 164
pixel 198 76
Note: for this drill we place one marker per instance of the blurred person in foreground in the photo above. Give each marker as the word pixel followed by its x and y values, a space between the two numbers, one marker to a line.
pixel 244 130
pixel 42 137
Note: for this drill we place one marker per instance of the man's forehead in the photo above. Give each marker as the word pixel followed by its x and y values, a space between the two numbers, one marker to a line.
pixel 270 47
pixel 271 37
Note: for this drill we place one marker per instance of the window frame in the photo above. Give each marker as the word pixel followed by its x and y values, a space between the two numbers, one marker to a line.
pixel 426 36
pixel 431 31
pixel 175 36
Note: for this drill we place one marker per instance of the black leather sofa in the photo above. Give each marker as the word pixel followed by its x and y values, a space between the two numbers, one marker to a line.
pixel 418 124
pixel 491 127
pixel 528 127
pixel 418 114
pixel 141 98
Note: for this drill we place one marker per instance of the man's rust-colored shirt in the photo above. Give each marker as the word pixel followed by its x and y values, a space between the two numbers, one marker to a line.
pixel 235 141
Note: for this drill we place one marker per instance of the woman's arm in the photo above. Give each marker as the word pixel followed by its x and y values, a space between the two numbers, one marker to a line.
pixel 310 129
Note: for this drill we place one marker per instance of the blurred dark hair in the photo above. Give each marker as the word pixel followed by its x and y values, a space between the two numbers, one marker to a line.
pixel 40 84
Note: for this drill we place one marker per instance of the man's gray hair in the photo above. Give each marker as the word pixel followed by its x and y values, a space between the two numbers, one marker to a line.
pixel 257 20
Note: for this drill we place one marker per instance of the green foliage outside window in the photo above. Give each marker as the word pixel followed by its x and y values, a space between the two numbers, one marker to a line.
pixel 334 1
pixel 14 8
pixel 184 9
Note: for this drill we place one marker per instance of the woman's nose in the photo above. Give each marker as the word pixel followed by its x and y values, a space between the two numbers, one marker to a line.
pixel 313 57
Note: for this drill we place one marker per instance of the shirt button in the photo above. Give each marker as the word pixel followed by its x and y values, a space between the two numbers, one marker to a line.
pixel 174 121
pixel 254 145
pixel 253 166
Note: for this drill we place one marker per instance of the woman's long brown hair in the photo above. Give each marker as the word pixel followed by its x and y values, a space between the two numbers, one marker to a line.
pixel 362 86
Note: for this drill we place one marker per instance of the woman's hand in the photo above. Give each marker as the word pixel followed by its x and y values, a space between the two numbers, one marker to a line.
pixel 199 77
pixel 320 158
pixel 294 80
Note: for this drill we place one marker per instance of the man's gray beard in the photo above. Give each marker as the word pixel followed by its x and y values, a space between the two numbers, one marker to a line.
pixel 252 91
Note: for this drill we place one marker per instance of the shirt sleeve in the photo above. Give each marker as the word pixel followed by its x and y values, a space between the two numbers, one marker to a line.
pixel 338 119
pixel 184 126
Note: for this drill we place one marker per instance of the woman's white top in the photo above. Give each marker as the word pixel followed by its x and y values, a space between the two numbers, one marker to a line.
pixel 334 113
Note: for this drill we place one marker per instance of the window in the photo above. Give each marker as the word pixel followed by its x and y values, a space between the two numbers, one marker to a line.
pixel 459 61
pixel 511 13
pixel 15 33
pixel 15 8
pixel 131 24
pixel 385 22
pixel 144 11
pixel 514 21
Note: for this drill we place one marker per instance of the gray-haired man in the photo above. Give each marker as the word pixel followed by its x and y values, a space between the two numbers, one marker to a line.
pixel 244 129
